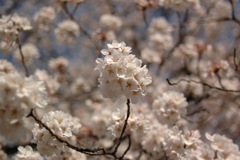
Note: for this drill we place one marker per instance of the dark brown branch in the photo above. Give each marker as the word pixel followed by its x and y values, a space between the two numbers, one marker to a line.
pixel 22 56
pixel 181 35
pixel 228 19
pixel 234 18
pixel 129 146
pixel 124 127
pixel 90 152
pixel 94 151
pixel 75 8
pixel 233 15
pixel 219 80
pixel 202 83
pixel 201 18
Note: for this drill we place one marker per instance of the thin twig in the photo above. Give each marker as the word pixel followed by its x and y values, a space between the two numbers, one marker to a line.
pixel 129 146
pixel 234 18
pixel 219 80
pixel 202 83
pixel 83 30
pixel 75 8
pixel 233 15
pixel 144 15
pixel 181 38
pixel 124 127
pixel 22 57
pixel 90 152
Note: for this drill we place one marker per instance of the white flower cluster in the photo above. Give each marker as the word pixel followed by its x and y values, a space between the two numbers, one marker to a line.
pixel 52 84
pixel 160 34
pixel 160 40
pixel 59 64
pixel 100 122
pixel 219 147
pixel 44 17
pixel 6 66
pixel 177 142
pixel 121 73
pixel 222 9
pixel 30 52
pixel 223 147
pixel 109 21
pixel 27 153
pixel 11 26
pixel 170 107
pixel 221 67
pixel 152 142
pixel 136 125
pixel 69 155
pixel 17 96
pixel 160 25
pixel 61 124
pixel 178 4
pixel 67 31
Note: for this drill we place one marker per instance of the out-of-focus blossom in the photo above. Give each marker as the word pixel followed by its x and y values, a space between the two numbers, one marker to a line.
pixel 170 107
pixel 110 21
pixel 151 56
pixel 67 31
pixel 6 66
pixel 44 17
pixel 29 51
pixel 11 26
pixel 59 64
pixel 178 4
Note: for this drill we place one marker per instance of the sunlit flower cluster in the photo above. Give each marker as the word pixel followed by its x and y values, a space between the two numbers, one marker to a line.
pixel 27 153
pixel 11 26
pixel 170 107
pixel 61 124
pixel 137 124
pixel 167 90
pixel 19 95
pixel 121 73
pixel 223 147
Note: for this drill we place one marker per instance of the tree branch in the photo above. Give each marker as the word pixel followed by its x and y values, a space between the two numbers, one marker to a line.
pixel 202 83
pixel 94 151
pixel 22 56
